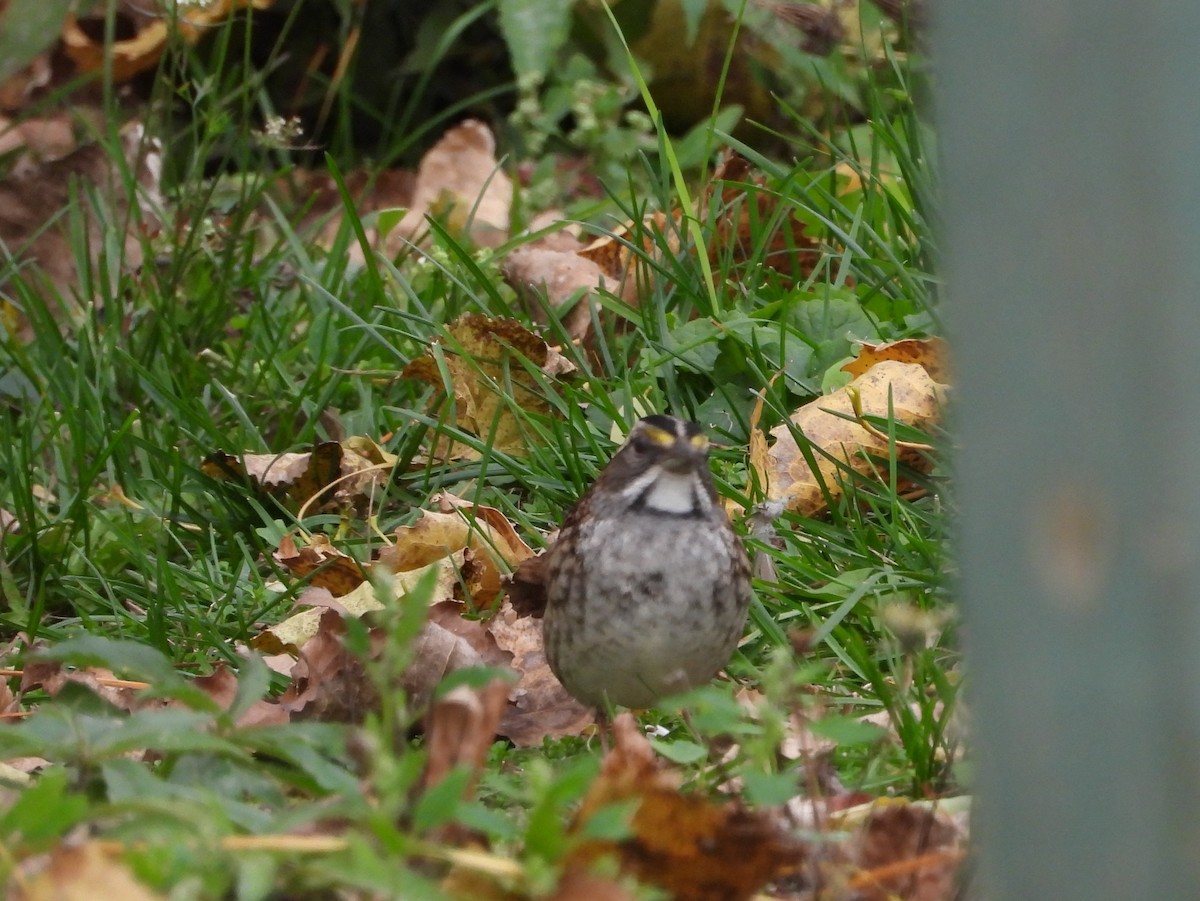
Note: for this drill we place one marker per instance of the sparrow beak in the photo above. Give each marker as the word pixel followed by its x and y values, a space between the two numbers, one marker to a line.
pixel 687 455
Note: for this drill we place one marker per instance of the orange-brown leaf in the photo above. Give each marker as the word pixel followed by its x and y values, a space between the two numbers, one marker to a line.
pixel 928 352
pixel 482 358
pixel 838 442
pixel 696 849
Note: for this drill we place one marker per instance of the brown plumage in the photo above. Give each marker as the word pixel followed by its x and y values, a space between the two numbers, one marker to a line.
pixel 647 586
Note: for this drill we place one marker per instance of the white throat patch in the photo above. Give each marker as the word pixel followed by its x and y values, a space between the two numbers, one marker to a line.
pixel 673 492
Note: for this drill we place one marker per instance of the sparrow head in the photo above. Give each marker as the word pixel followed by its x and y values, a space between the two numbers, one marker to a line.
pixel 663 468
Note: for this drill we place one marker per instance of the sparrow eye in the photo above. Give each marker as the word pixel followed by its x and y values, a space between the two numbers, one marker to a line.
pixel 641 445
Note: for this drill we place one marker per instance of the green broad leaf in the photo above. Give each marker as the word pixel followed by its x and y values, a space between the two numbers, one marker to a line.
pixel 830 319
pixel 27 28
pixel 61 733
pixel 257 875
pixel 307 747
pixel 696 344
pixel 848 731
pixel 693 12
pixel 682 752
pixel 127 659
pixel 544 836
pixel 712 710
pixel 611 822
pixel 386 220
pixel 496 824
pixel 43 812
pixel 207 791
pixel 473 677
pixel 768 789
pixel 168 729
pixel 776 345
pixel 830 325
pixel 439 804
pixel 254 681
pixel 534 30
pixel 131 660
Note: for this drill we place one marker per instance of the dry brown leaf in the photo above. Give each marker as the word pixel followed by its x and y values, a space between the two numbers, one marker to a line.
pixel 493 543
pixel 39 140
pixel 460 730
pixel 291 634
pixel 291 478
pixel 330 476
pixel 503 537
pixel 9 702
pixel 559 232
pixel 526 587
pixel 321 563
pixel 329 684
pixel 465 544
pixel 539 706
pixel 153 27
pixel 447 642
pixel 50 676
pixel 28 83
pixel 916 401
pixel 222 685
pixel 695 849
pixel 31 198
pixel 928 352
pixel 366 468
pixel 577 884
pixel 460 183
pixel 631 274
pixel 486 379
pixel 742 209
pixel 80 872
pixel 565 278
pixel 907 851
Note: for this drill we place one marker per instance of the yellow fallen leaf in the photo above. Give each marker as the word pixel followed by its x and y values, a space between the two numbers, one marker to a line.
pixel 838 442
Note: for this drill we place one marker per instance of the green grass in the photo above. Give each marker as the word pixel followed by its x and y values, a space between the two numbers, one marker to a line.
pixel 245 335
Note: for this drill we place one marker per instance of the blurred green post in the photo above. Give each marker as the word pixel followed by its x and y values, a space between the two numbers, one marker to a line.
pixel 1071 148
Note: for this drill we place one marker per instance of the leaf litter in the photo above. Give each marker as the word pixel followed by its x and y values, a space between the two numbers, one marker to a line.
pixel 722 850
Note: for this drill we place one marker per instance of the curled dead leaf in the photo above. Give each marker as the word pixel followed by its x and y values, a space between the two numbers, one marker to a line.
pixel 931 353
pixel 460 183
pixel 221 685
pixel 461 728
pixel 839 442
pixel 539 706
pixel 330 476
pixel 909 851
pixel 448 642
pixel 694 848
pixel 77 870
pixel 632 274
pixel 51 677
pixel 152 29
pixel 483 360
pixel 565 278
pixel 321 563
pixel 527 587
pixel 330 684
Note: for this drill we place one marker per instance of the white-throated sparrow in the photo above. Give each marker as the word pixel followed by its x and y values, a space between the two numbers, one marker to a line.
pixel 647 586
